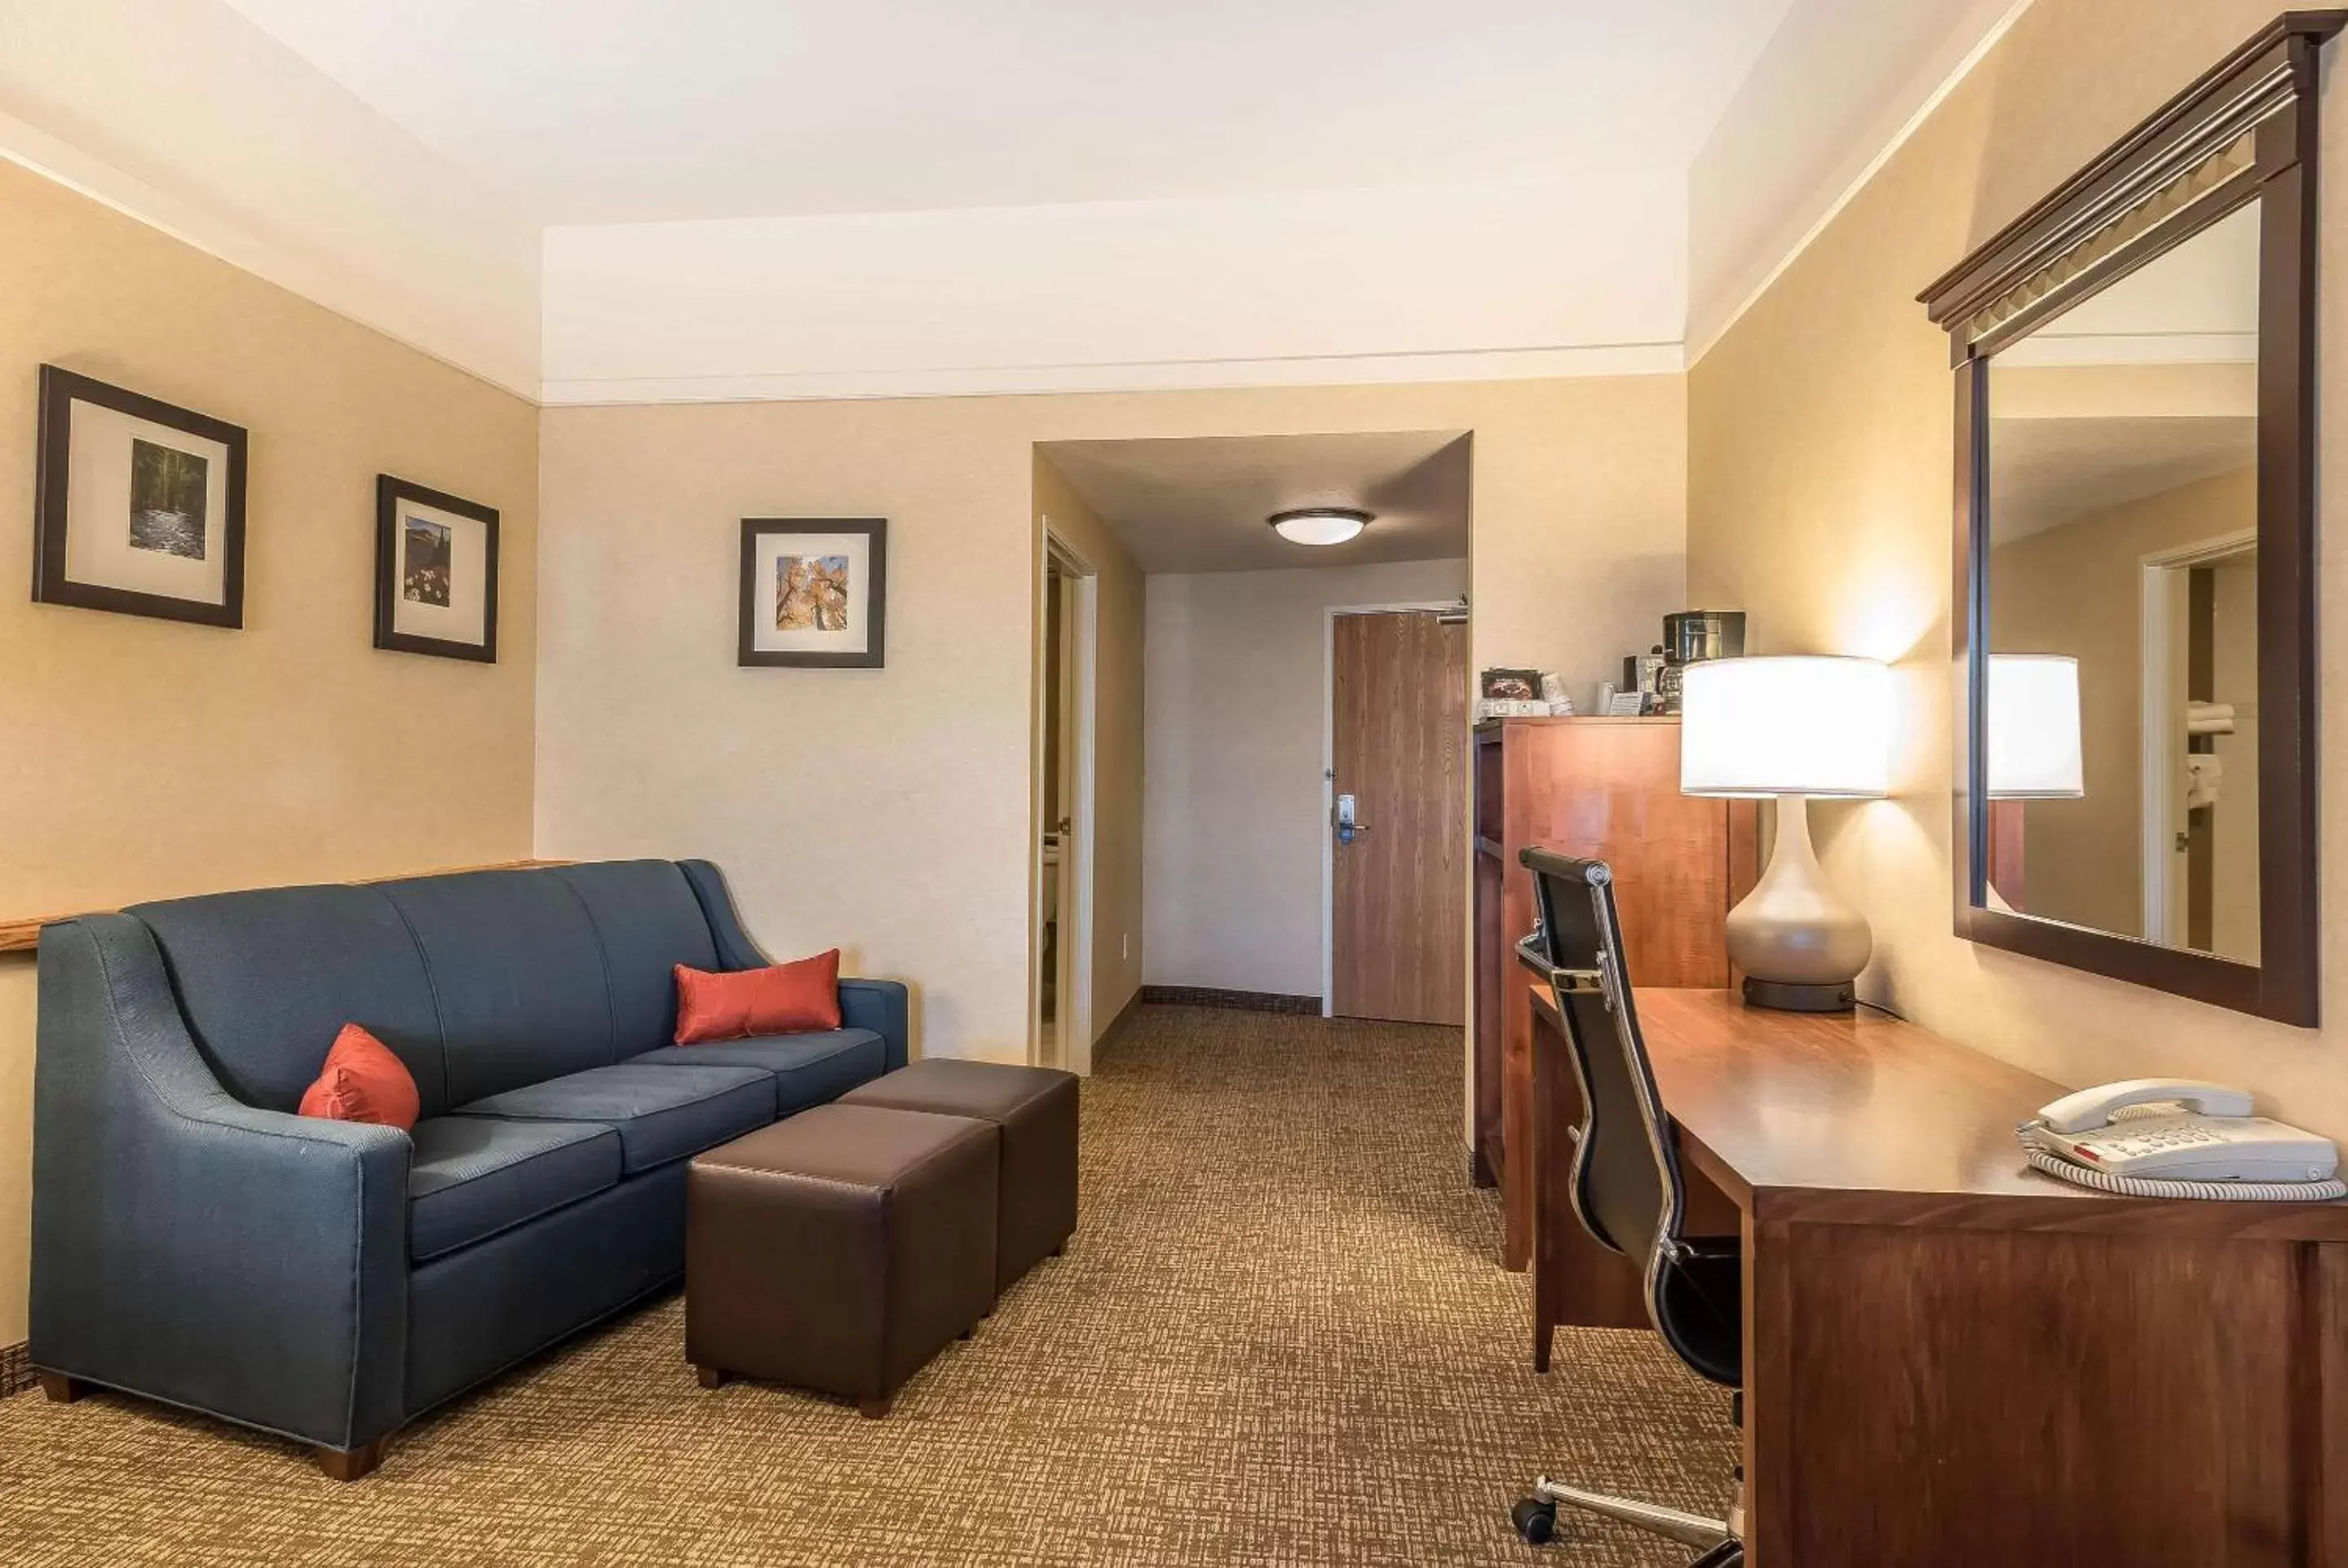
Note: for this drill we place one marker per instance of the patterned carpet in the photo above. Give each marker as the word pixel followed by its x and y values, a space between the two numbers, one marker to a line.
pixel 1278 1338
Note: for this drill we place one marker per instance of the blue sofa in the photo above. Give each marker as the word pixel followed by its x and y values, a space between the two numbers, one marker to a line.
pixel 194 1241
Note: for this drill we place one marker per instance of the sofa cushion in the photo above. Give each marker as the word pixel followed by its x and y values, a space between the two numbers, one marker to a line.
pixel 267 978
pixel 473 1176
pixel 648 922
pixel 808 1068
pixel 662 1113
pixel 799 998
pixel 518 975
pixel 362 1081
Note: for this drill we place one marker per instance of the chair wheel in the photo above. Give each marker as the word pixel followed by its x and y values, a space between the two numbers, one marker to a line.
pixel 1535 1518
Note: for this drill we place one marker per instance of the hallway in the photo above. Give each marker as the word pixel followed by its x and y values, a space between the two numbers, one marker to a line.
pixel 1278 1338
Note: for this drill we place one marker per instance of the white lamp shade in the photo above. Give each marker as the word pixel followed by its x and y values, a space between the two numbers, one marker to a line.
pixel 2033 728
pixel 1789 724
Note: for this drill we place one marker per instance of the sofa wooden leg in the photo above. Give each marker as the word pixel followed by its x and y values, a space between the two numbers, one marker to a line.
pixel 60 1388
pixel 710 1377
pixel 352 1464
pixel 875 1410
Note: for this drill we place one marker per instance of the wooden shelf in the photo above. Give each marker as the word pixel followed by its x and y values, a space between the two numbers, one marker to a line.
pixel 25 936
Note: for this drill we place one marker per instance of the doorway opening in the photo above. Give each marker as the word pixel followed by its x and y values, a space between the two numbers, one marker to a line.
pixel 1393 860
pixel 2199 736
pixel 1067 683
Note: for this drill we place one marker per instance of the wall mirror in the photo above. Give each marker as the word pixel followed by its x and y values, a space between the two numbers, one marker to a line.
pixel 2135 551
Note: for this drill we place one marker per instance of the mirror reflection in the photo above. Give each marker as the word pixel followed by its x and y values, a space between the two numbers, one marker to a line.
pixel 2121 758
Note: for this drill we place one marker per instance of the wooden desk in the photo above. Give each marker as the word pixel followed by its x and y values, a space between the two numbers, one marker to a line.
pixel 1948 1357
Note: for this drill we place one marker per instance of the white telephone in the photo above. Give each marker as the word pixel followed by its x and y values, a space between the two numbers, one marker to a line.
pixel 2178 1137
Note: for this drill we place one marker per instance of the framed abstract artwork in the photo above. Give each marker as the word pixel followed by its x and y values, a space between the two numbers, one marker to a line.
pixel 813 592
pixel 436 573
pixel 139 506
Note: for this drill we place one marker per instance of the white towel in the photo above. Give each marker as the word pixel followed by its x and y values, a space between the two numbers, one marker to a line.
pixel 2208 718
pixel 2203 771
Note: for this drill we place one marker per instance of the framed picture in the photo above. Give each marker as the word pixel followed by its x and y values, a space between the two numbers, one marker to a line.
pixel 139 506
pixel 813 592
pixel 1512 685
pixel 436 573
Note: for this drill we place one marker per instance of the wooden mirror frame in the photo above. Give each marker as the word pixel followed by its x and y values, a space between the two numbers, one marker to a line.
pixel 2245 132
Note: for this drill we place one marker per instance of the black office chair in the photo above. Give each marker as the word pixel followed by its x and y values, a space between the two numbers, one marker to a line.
pixel 1626 1183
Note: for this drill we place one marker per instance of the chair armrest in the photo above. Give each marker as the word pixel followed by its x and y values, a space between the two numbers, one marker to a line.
pixel 880 1006
pixel 191 1247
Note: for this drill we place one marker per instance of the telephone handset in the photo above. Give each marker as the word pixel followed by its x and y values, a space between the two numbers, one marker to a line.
pixel 2178 1137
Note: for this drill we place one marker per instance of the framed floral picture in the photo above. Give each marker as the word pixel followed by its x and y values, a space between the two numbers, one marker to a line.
pixel 436 573
pixel 813 592
pixel 139 506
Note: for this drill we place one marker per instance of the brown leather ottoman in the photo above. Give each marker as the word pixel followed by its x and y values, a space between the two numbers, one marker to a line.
pixel 840 1249
pixel 1036 1109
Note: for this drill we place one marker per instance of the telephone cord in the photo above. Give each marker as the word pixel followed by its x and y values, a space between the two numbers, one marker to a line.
pixel 2054 1165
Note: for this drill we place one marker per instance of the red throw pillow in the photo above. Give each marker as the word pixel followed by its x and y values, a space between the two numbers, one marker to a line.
pixel 786 998
pixel 363 1081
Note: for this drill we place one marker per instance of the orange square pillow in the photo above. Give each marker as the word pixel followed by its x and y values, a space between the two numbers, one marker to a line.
pixel 786 998
pixel 363 1081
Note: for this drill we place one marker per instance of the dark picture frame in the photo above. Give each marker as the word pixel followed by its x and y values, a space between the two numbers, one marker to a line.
pixel 390 492
pixel 2178 174
pixel 1499 675
pixel 60 390
pixel 872 655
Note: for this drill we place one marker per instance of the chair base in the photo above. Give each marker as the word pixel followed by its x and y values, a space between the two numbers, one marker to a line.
pixel 1721 1539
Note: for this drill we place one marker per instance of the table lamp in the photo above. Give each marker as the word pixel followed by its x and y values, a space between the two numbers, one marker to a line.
pixel 1790 726
pixel 2032 741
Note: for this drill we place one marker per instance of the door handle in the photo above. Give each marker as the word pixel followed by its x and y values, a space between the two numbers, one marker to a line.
pixel 1348 827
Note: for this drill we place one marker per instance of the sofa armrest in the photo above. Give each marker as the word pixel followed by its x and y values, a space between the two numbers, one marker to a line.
pixel 735 950
pixel 880 1006
pixel 192 1248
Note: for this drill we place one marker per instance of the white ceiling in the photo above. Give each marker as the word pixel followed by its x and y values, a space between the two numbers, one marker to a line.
pixel 1202 504
pixel 2049 472
pixel 591 111
pixel 626 200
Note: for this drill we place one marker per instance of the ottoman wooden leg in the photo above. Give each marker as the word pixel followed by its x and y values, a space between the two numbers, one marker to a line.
pixel 60 1388
pixel 876 1410
pixel 710 1377
pixel 352 1464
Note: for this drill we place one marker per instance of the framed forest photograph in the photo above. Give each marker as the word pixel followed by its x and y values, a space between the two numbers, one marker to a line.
pixel 139 506
pixel 813 592
pixel 436 572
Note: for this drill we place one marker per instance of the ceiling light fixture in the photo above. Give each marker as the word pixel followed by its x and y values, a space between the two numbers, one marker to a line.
pixel 1319 525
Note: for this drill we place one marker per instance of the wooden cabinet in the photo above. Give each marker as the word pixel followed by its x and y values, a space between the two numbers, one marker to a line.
pixel 1607 789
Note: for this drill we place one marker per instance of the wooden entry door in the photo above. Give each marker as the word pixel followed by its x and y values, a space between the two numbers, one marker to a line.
pixel 1398 928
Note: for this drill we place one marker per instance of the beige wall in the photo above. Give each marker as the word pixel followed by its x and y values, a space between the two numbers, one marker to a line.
pixel 1820 437
pixel 1117 747
pixel 142 758
pixel 1238 691
pixel 2073 589
pixel 890 811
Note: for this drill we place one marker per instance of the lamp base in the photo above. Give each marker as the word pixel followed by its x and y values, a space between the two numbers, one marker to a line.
pixel 1783 998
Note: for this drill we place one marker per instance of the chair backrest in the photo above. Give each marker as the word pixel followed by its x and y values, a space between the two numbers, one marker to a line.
pixel 1626 1185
